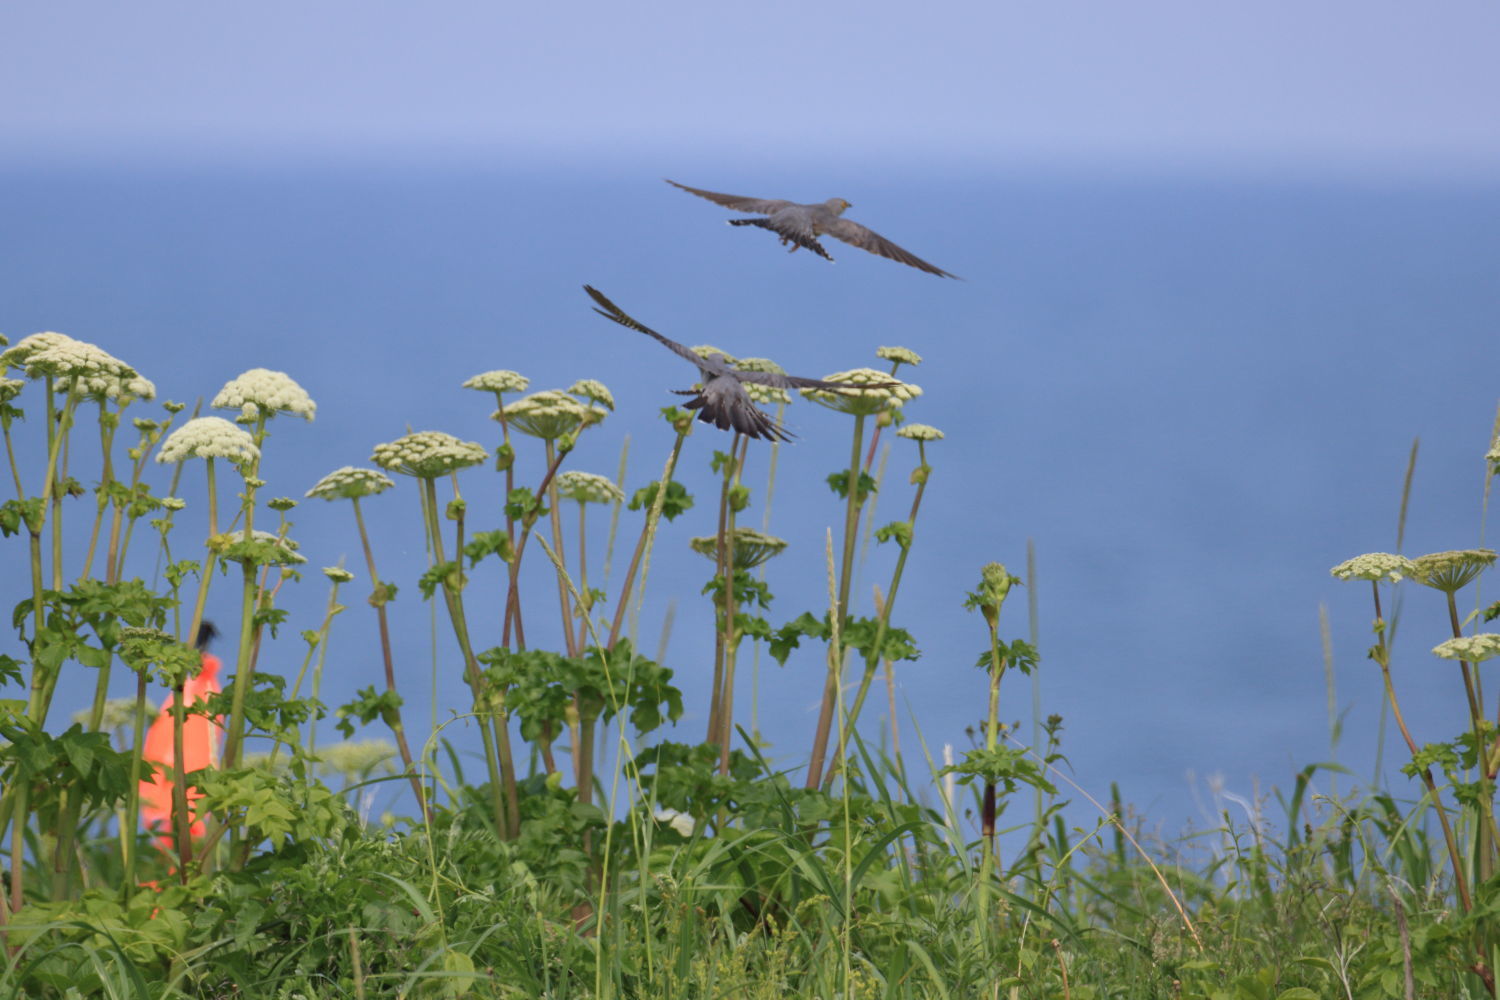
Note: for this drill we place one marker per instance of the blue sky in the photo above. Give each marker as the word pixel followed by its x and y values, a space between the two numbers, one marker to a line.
pixel 1350 84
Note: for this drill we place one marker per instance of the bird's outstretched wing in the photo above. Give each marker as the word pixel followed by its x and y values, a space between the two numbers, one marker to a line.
pixel 764 206
pixel 865 238
pixel 614 312
pixel 781 381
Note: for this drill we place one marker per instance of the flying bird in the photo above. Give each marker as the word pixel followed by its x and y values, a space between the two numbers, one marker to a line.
pixel 721 400
pixel 801 225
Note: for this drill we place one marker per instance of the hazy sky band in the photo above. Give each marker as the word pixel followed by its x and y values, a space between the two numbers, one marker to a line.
pixel 1337 82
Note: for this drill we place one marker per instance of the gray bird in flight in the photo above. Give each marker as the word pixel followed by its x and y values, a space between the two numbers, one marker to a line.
pixel 721 400
pixel 801 225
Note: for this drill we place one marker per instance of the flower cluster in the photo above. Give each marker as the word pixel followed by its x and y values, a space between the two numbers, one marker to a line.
pixel 499 380
pixel 1451 571
pixel 261 392
pixel 548 415
pixel 900 355
pixel 428 454
pixel 1375 566
pixel 869 392
pixel 751 547
pixel 209 437
pixel 588 487
pixel 920 432
pixel 350 482
pixel 594 391
pixel 1473 648
pixel 79 367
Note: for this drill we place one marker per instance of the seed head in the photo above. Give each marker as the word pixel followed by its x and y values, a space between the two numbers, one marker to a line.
pixel 350 482
pixel 261 392
pixel 209 437
pixel 1375 566
pixel 428 454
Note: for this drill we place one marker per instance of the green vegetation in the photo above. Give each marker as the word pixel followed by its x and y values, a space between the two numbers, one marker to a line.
pixel 590 854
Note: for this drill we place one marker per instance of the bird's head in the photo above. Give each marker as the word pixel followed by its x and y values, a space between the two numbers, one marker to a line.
pixel 836 205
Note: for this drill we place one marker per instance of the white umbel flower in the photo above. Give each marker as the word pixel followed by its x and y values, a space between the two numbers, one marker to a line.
pixel 900 355
pixel 79 367
pixel 498 380
pixel 350 482
pixel 548 415
pixel 209 437
pixel 594 391
pixel 920 432
pixel 883 392
pixel 1473 648
pixel 428 454
pixel 588 487
pixel 261 392
pixel 1375 566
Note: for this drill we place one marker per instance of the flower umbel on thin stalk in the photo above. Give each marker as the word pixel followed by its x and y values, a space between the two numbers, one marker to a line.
pixel 901 532
pixel 1386 567
pixel 881 394
pixel 557 419
pixel 259 394
pixel 584 488
pixel 354 484
pixel 427 455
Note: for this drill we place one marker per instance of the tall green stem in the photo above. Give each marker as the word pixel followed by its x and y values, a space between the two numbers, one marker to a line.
pixel 835 666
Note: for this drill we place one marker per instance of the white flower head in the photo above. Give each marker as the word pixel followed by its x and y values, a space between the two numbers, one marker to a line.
pixel 350 482
pixel 338 574
pixel 1375 566
pixel 499 380
pixel 261 392
pixel 10 388
pixel 78 367
pixel 428 454
pixel 588 487
pixel 548 415
pixel 679 821
pixel 1473 648
pixel 920 432
pixel 594 391
pixel 900 355
pixel 884 392
pixel 173 503
pixel 209 437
